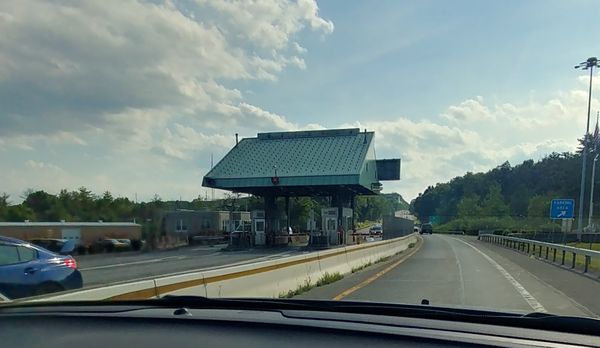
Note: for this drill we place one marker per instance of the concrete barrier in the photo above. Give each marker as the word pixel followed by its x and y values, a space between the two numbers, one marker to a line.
pixel 261 279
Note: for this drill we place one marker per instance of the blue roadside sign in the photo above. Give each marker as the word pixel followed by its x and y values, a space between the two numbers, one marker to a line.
pixel 562 208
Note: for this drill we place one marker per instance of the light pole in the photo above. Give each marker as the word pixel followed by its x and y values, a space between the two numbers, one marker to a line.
pixel 592 191
pixel 588 64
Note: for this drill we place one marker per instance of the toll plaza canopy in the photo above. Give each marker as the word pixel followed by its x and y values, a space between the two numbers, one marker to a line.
pixel 304 163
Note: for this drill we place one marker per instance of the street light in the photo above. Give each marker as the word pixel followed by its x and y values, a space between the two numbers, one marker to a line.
pixel 592 191
pixel 588 64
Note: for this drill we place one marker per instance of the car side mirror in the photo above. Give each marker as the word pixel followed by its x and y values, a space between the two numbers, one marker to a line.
pixel 67 248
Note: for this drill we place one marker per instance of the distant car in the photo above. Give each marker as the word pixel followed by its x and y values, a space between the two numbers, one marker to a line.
pixel 54 244
pixel 28 270
pixel 127 242
pixel 417 229
pixel 111 244
pixel 376 229
pixel 426 228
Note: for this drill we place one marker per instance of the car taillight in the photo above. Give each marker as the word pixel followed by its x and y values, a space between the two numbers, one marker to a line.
pixel 70 262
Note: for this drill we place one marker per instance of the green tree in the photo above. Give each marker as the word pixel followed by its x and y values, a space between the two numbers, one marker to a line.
pixel 4 203
pixel 19 213
pixel 41 203
pixel 469 207
pixel 539 206
pixel 493 204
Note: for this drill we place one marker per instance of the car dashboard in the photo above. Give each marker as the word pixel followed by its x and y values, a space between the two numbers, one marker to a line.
pixel 127 326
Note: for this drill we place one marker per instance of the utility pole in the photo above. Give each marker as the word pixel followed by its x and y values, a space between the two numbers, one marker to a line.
pixel 588 64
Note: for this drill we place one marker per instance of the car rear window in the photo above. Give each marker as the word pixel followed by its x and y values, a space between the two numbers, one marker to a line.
pixel 26 254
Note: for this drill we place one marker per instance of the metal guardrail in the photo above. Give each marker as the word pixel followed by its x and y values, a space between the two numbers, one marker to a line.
pixel 544 249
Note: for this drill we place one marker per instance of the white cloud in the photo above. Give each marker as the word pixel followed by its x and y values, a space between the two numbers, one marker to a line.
pixel 43 166
pixel 477 136
pixel 68 66
pixel 471 110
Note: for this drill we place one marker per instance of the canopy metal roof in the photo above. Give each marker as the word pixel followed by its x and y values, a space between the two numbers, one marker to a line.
pixel 299 163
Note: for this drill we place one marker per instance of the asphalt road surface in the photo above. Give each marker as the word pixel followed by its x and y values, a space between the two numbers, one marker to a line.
pixel 463 272
pixel 115 268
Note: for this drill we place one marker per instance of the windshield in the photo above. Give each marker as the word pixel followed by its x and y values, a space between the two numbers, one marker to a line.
pixel 446 150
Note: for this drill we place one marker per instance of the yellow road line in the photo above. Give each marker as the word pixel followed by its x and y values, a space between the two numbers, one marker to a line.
pixel 378 274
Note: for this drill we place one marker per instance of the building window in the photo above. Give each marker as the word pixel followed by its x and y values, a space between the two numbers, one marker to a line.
pixel 180 226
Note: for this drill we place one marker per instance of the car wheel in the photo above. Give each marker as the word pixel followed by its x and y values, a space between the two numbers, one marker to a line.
pixel 47 288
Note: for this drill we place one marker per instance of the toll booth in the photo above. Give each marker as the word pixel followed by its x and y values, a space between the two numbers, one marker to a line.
pixel 329 225
pixel 258 227
pixel 337 228
pixel 337 163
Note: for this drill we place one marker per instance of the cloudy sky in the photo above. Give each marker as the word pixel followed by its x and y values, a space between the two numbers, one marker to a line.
pixel 134 96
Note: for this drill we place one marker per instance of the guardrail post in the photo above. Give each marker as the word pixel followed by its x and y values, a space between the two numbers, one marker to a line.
pixel 540 252
pixel 573 261
pixel 586 263
pixel 547 251
pixel 527 248
pixel 554 257
pixel 564 252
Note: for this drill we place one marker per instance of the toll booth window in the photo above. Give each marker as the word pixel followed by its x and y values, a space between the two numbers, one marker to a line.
pixel 330 224
pixel 26 254
pixel 8 255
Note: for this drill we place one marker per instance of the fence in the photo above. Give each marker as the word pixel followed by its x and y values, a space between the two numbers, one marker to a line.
pixel 556 253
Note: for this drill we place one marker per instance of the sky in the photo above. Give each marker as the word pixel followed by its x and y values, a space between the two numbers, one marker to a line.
pixel 133 97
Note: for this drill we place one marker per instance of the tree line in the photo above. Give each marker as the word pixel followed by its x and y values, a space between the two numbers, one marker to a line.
pixel 83 205
pixel 506 197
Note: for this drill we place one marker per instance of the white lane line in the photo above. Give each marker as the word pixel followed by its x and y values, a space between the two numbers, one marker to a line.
pixel 460 276
pixel 531 301
pixel 266 257
pixel 141 262
pixel 120 264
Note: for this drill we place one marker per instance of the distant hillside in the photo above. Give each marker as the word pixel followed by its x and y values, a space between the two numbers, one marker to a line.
pixel 504 194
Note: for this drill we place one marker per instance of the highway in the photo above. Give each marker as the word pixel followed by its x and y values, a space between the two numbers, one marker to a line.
pixel 103 269
pixel 461 271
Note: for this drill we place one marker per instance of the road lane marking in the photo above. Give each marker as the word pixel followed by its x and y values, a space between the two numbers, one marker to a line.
pixel 460 276
pixel 528 297
pixel 378 274
pixel 141 262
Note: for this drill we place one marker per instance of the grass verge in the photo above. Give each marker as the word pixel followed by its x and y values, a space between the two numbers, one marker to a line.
pixel 327 278
pixel 361 267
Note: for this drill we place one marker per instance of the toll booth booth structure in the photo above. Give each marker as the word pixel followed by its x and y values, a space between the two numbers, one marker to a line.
pixel 337 163
pixel 258 227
